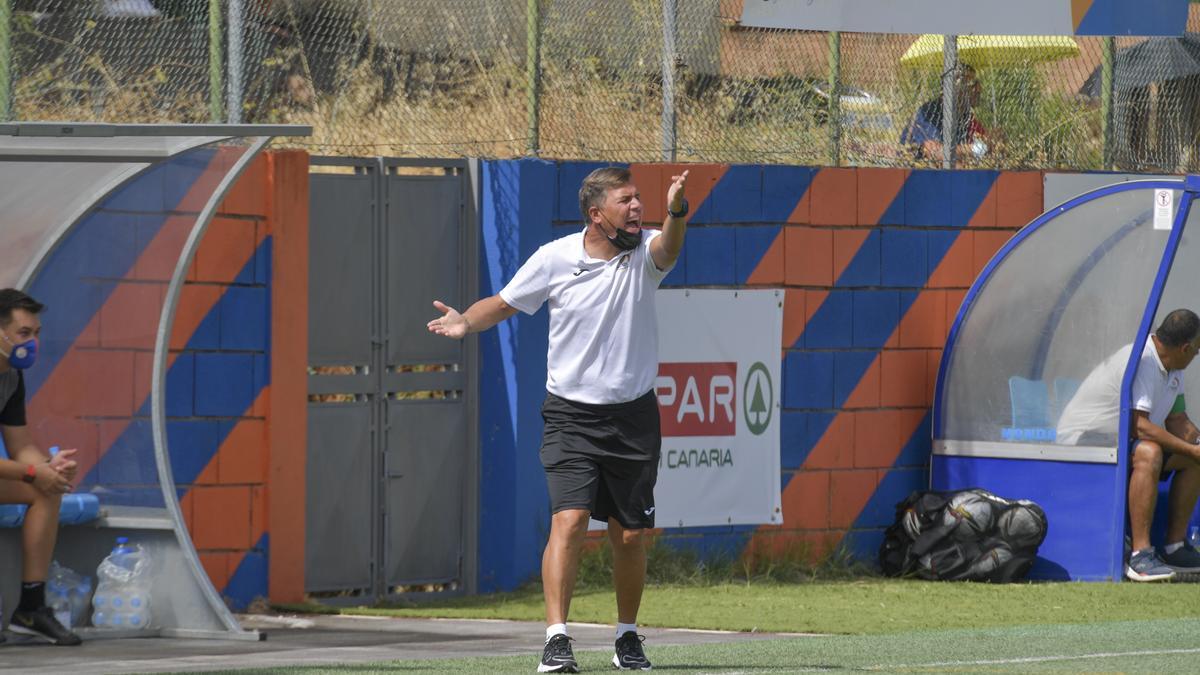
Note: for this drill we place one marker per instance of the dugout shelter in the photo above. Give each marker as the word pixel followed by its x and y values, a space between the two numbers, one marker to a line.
pixel 101 223
pixel 1069 290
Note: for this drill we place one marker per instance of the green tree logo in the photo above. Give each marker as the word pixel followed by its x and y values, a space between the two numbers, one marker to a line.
pixel 758 399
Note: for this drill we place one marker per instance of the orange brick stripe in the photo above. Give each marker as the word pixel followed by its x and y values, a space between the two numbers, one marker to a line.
pixel 226 509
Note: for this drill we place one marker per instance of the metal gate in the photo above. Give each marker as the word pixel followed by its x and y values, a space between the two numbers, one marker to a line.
pixel 392 460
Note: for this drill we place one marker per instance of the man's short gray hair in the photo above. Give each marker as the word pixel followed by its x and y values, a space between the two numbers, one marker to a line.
pixel 597 184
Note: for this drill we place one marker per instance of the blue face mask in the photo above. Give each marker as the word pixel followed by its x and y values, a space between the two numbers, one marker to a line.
pixel 23 355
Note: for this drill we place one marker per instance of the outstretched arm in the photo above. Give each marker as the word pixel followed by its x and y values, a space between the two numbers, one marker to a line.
pixel 479 317
pixel 665 249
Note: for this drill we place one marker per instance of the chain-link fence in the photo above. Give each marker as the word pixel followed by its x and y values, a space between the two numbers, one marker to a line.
pixel 622 80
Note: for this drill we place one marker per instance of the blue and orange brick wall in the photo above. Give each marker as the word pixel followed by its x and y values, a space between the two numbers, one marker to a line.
pixel 236 361
pixel 875 263
pixel 246 309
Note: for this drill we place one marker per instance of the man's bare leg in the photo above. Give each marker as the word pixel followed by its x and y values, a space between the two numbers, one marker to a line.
pixel 1185 490
pixel 629 569
pixel 40 530
pixel 560 562
pixel 1143 491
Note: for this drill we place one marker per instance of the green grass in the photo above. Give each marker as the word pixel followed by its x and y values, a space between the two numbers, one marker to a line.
pixel 1138 646
pixel 862 607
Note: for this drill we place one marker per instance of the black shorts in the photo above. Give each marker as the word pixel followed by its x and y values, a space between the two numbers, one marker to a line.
pixel 603 458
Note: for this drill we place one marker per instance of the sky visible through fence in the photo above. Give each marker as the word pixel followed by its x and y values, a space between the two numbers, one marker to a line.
pixel 621 80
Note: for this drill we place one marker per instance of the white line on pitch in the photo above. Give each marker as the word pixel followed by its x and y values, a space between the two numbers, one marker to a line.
pixel 1033 659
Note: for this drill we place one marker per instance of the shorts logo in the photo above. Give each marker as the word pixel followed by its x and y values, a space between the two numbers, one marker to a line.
pixel 758 399
pixel 697 399
pixel 649 511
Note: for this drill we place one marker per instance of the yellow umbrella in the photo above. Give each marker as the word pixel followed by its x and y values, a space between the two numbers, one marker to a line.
pixel 991 50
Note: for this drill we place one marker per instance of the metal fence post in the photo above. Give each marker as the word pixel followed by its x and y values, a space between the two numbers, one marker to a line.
pixel 237 43
pixel 1106 100
pixel 5 60
pixel 668 76
pixel 214 60
pixel 949 84
pixel 533 73
pixel 835 98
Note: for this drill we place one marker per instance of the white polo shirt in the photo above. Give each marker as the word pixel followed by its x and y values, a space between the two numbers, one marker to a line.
pixel 1097 404
pixel 603 324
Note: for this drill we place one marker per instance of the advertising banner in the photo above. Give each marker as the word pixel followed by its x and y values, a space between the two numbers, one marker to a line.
pixel 719 391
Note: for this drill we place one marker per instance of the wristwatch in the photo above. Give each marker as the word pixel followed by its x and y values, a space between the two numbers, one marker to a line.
pixel 30 473
pixel 683 210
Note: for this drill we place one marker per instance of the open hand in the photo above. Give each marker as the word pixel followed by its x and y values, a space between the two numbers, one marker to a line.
pixel 451 324
pixel 675 192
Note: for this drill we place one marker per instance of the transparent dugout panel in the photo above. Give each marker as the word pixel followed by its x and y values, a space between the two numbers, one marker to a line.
pixel 105 284
pixel 1064 299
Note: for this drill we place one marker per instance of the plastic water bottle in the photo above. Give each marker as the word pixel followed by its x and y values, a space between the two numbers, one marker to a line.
pixel 79 600
pixel 58 597
pixel 122 598
pixel 137 613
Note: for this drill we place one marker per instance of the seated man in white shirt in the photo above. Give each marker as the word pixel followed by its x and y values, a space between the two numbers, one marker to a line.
pixel 1164 441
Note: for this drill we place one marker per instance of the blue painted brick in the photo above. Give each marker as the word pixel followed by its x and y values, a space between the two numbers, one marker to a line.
pixel 710 256
pixel 262 372
pixel 848 369
pixel 927 198
pixel 570 177
pixel 818 424
pixel 917 451
pixel 793 436
pixel 130 459
pixel 193 444
pixel 264 261
pixel 737 197
pixel 863 269
pixel 863 546
pixel 249 580
pixel 808 380
pixel 244 318
pixel 258 268
pixel 181 172
pixel 832 325
pixel 904 258
pixel 107 243
pixel 967 193
pixel 143 193
pixel 704 212
pixel 751 243
pixel 224 384
pixel 181 383
pixel 678 274
pixel 783 188
pixel 535 211
pixel 880 510
pixel 876 315
pixel 938 243
pixel 208 334
pixel 896 212
pixel 907 299
pixel 707 543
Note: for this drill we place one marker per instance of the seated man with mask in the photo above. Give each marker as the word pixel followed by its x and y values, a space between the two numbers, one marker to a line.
pixel 30 475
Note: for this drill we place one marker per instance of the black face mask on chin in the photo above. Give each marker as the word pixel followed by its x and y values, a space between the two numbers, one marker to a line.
pixel 625 241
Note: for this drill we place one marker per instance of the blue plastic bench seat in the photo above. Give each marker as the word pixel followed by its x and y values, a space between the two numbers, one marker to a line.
pixel 76 509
